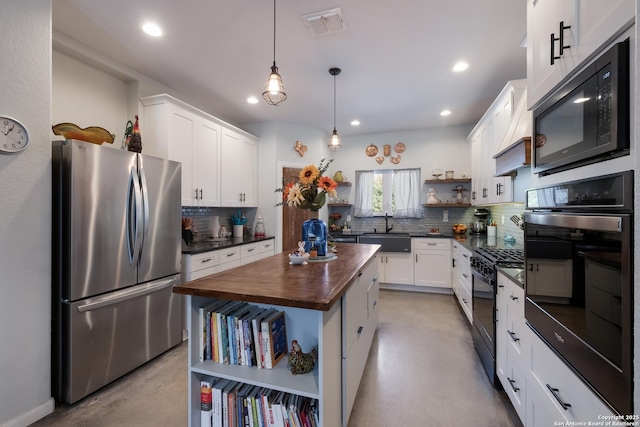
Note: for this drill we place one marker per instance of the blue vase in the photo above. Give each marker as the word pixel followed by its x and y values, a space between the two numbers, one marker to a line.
pixel 314 233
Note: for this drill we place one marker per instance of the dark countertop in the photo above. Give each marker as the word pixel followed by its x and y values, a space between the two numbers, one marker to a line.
pixel 272 280
pixel 472 241
pixel 515 274
pixel 216 244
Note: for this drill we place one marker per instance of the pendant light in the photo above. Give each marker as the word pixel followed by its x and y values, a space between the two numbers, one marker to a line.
pixel 334 142
pixel 273 89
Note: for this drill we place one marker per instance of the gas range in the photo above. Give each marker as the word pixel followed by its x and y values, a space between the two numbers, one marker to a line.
pixel 485 260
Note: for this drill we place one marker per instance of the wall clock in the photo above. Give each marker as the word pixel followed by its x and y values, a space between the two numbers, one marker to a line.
pixel 14 136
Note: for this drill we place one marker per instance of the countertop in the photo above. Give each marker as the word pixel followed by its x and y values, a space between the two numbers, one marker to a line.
pixel 516 275
pixel 471 241
pixel 215 244
pixel 272 280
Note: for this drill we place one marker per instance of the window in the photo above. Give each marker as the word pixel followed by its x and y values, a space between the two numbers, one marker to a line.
pixel 394 192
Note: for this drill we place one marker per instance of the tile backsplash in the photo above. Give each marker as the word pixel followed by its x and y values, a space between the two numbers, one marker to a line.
pixel 433 217
pixel 202 219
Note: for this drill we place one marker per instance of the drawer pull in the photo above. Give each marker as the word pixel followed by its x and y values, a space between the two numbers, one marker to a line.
pixel 513 298
pixel 464 300
pixel 465 275
pixel 554 391
pixel 375 303
pixel 206 260
pixel 501 286
pixel 251 249
pixel 432 244
pixel 231 254
pixel 360 329
pixel 512 382
pixel 513 336
pixel 465 255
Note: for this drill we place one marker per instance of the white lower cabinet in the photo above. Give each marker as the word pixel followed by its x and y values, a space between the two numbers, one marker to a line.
pixel 558 394
pixel 512 341
pixel 395 268
pixel 543 390
pixel 431 262
pixel 360 320
pixel 461 277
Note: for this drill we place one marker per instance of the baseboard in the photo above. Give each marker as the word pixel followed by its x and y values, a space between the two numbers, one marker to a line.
pixel 33 415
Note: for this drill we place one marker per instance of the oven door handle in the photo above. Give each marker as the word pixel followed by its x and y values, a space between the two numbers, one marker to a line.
pixel 590 222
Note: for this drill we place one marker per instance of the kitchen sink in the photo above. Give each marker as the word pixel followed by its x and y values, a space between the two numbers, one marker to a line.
pixel 390 242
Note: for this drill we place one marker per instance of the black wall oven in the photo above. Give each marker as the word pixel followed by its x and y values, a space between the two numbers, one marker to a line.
pixel 579 283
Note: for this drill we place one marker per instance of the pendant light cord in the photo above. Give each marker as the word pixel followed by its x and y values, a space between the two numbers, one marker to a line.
pixel 334 102
pixel 274 32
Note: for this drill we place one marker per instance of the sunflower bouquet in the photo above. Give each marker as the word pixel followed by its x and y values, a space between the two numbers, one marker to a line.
pixel 310 192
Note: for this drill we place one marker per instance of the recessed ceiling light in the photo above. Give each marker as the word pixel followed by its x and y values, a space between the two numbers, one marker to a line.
pixel 355 123
pixel 252 100
pixel 152 29
pixel 460 66
pixel 445 112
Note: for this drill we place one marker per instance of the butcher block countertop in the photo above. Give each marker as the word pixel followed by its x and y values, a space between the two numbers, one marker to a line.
pixel 316 286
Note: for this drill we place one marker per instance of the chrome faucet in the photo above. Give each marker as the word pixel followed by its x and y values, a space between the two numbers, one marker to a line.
pixel 386 223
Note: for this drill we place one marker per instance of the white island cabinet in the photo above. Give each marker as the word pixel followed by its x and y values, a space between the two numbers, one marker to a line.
pixel 331 306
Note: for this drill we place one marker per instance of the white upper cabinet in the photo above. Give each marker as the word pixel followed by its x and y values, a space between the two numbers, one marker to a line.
pixel 239 169
pixel 563 34
pixel 217 159
pixel 486 138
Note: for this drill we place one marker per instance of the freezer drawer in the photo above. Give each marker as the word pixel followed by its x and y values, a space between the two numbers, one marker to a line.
pixel 105 337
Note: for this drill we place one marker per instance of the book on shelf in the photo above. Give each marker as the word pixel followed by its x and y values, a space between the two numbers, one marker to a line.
pixel 206 402
pixel 217 414
pixel 202 326
pixel 274 338
pixel 222 329
pixel 256 323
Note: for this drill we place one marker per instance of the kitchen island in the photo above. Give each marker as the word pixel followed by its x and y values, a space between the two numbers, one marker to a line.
pixel 329 305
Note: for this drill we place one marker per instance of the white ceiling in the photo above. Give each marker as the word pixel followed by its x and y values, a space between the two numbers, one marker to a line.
pixel 396 56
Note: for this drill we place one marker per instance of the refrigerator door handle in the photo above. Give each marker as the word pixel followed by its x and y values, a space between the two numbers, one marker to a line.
pixel 144 190
pixel 127 294
pixel 133 203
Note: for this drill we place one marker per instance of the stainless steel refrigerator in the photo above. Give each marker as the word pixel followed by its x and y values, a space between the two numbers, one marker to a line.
pixel 116 257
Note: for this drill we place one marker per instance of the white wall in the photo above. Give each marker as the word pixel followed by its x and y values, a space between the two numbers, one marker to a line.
pixel 444 148
pixel 87 96
pixel 25 215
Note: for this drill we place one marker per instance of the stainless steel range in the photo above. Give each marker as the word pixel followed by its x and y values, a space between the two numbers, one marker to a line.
pixel 483 267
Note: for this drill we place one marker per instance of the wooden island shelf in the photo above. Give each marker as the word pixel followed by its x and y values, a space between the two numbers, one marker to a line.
pixel 331 306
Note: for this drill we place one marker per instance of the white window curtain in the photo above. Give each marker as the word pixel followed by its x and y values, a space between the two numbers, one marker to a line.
pixel 406 192
pixel 364 194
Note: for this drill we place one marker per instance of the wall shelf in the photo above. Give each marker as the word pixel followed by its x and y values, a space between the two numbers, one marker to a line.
pixel 448 181
pixel 447 205
pixel 339 205
pixel 344 184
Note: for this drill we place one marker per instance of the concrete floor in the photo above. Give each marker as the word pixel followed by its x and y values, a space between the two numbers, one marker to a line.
pixel 422 371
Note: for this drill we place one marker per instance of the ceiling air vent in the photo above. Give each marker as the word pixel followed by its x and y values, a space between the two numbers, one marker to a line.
pixel 325 22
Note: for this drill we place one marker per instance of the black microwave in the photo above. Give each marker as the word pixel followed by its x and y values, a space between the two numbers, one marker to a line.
pixel 586 120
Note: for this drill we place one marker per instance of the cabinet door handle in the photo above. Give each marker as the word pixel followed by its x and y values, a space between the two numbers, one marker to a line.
pixel 513 336
pixel 464 300
pixel 196 195
pixel 465 255
pixel 360 329
pixel 553 47
pixel 484 193
pixel 416 258
pixel 465 275
pixel 473 195
pixel 512 382
pixel 501 286
pixel 453 261
pixel 530 267
pixel 561 38
pixel 513 298
pixel 554 391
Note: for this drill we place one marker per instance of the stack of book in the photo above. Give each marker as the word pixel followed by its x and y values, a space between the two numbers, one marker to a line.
pixel 239 333
pixel 228 403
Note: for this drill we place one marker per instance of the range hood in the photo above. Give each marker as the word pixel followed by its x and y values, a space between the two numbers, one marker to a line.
pixel 515 150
